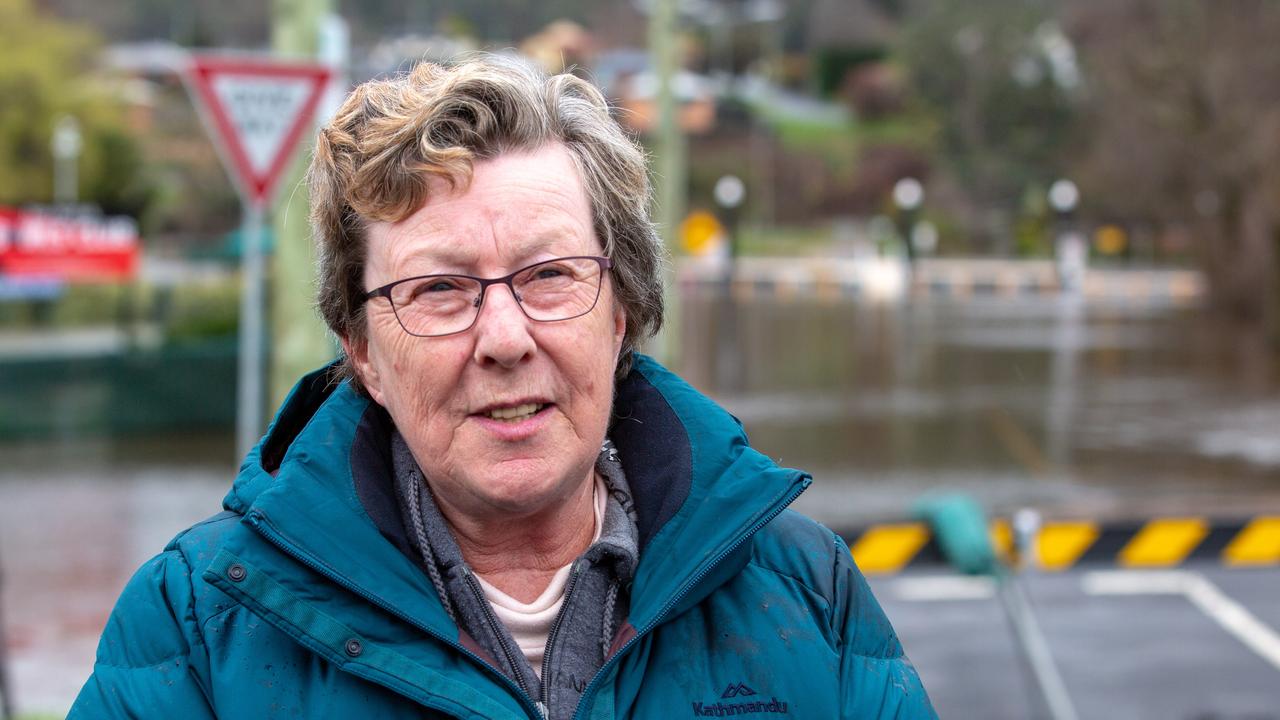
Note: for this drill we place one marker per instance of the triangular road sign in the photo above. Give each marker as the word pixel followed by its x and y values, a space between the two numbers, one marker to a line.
pixel 257 109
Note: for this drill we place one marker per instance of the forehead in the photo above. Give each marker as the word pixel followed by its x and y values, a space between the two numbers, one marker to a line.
pixel 517 207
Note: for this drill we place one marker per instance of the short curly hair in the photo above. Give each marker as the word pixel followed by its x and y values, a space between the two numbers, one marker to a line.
pixel 374 160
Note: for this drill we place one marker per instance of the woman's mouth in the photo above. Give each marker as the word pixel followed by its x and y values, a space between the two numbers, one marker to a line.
pixel 516 413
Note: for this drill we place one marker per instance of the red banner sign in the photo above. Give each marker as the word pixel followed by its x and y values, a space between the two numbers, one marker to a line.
pixel 67 246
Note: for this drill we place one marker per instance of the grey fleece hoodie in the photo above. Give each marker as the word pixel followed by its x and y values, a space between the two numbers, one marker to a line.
pixel 596 595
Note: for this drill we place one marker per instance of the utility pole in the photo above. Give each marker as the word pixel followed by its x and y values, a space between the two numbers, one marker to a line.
pixel 669 162
pixel 300 29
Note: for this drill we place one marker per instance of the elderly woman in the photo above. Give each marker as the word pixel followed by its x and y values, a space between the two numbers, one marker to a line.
pixel 492 506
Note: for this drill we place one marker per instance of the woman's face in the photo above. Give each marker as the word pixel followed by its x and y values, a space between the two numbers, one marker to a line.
pixel 443 392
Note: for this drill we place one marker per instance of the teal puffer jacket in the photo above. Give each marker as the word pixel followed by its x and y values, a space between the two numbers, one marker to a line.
pixel 299 600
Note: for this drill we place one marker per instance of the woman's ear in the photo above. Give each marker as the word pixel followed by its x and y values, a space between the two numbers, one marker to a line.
pixel 619 329
pixel 357 352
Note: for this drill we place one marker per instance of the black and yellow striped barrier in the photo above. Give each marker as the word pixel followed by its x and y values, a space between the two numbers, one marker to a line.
pixel 1158 543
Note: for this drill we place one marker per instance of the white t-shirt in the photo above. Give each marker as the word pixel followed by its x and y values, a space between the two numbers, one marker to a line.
pixel 530 623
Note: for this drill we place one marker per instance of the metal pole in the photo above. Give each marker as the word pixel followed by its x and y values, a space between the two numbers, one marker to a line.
pixel 6 695
pixel 729 351
pixel 729 193
pixel 1031 640
pixel 249 385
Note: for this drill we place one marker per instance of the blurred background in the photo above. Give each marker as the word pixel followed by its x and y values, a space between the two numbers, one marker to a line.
pixel 1028 250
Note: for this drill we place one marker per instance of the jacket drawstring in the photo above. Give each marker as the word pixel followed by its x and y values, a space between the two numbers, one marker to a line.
pixel 606 637
pixel 414 500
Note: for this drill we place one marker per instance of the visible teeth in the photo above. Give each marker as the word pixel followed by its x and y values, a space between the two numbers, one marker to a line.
pixel 518 412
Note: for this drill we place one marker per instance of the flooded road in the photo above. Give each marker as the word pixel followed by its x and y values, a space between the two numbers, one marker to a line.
pixel 1101 409
pixel 1094 410
pixel 76 520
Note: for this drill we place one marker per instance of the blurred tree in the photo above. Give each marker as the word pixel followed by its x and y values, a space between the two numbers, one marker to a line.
pixel 44 74
pixel 505 20
pixel 1184 131
pixel 194 23
pixel 40 55
pixel 1000 78
pixel 120 185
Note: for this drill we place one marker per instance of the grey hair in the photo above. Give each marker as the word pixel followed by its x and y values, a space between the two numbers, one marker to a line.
pixel 374 161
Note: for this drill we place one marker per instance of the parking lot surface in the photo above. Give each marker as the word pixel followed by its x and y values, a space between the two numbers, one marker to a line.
pixel 1197 643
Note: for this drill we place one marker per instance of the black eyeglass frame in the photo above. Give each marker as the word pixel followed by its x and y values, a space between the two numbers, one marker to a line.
pixel 385 291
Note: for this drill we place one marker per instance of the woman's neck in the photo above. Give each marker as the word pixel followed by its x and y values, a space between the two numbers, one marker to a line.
pixel 520 555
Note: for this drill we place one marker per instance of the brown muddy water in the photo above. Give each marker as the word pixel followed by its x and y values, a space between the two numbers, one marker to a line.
pixel 1106 409
pixel 1100 410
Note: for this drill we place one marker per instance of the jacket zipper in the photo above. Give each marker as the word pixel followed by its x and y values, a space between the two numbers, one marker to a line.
pixel 268 531
pixel 779 505
pixel 497 627
pixel 551 636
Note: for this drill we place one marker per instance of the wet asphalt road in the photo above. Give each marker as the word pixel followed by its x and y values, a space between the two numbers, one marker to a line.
pixel 1130 645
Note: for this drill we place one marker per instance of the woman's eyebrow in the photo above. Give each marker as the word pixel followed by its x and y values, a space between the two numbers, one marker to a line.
pixel 455 259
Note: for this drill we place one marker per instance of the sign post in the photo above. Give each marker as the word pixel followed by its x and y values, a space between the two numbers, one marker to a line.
pixel 256 109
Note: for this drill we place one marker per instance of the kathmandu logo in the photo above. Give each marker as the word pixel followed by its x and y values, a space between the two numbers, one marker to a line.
pixel 727 709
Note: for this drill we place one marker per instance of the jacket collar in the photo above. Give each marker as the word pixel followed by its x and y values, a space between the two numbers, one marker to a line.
pixel 700 492
pixel 296 489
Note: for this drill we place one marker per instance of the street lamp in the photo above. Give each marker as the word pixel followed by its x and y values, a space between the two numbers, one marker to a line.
pixel 729 193
pixel 1064 196
pixel 908 195
pixel 1070 251
pixel 66 145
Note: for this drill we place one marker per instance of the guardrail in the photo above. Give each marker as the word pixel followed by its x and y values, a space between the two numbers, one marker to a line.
pixel 1156 543
pixel 833 279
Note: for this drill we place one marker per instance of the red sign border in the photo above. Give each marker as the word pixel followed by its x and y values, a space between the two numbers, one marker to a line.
pixel 254 188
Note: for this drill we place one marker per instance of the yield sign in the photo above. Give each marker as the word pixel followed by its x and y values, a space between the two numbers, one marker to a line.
pixel 257 109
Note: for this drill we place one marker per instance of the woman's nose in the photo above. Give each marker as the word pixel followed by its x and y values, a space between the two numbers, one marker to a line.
pixel 502 329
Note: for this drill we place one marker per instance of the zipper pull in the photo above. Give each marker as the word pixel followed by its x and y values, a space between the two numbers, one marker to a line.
pixel 542 708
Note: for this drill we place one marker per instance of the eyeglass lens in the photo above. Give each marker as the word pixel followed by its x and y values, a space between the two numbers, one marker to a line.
pixel 558 289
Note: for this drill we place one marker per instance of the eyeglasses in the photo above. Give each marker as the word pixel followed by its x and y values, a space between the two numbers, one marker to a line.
pixel 549 291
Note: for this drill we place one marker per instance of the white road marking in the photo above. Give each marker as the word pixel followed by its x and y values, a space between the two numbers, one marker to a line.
pixel 943 587
pixel 1231 615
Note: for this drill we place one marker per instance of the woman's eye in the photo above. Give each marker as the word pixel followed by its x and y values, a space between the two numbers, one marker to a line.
pixel 437 286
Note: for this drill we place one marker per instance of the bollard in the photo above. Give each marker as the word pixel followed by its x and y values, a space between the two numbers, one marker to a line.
pixel 960 526
pixel 961 530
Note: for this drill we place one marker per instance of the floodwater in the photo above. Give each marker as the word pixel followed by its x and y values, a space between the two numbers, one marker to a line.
pixel 1094 410
pixel 76 519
